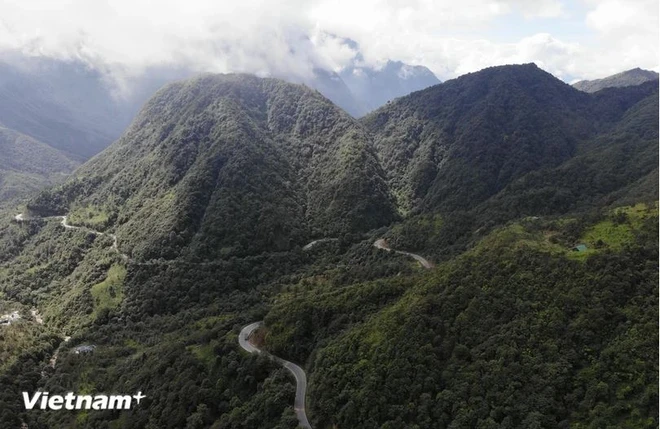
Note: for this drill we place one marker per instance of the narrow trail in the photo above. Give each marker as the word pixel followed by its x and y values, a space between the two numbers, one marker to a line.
pixel 298 372
pixel 382 244
pixel 64 222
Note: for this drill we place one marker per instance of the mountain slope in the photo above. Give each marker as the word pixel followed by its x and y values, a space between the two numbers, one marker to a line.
pixel 27 165
pixel 602 167
pixel 231 165
pixel 455 144
pixel 519 332
pixel 631 77
pixel 219 181
pixel 333 87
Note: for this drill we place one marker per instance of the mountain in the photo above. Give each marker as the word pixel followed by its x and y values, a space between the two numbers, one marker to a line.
pixel 631 77
pixel 374 87
pixel 454 145
pixel 616 166
pixel 27 165
pixel 517 326
pixel 230 165
pixel 535 202
pixel 70 111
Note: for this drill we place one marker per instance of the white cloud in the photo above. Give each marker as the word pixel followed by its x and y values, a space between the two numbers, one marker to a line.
pixel 536 8
pixel 294 36
pixel 627 33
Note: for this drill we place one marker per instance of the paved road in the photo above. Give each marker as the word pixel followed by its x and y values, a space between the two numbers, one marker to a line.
pixel 298 373
pixel 315 242
pixel 382 244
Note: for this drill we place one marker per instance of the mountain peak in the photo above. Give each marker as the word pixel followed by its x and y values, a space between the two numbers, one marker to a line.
pixel 231 165
pixel 631 77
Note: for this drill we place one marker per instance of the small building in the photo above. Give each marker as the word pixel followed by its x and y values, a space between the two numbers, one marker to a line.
pixel 580 248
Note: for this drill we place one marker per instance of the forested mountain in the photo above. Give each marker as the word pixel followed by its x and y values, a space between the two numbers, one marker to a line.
pixel 537 203
pixel 27 165
pixel 230 165
pixel 454 145
pixel 631 77
pixel 520 332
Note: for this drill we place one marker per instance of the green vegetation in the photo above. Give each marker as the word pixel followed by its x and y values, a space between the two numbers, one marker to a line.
pixel 89 216
pixel 255 165
pixel 512 334
pixel 222 180
pixel 109 293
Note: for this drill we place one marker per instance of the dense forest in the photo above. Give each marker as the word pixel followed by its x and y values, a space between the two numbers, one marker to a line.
pixel 536 202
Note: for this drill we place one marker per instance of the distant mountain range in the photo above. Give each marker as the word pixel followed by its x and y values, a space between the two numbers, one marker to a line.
pixel 374 87
pixel 27 165
pixel 359 89
pixel 631 77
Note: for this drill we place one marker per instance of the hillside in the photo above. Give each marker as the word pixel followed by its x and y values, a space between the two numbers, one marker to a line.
pixel 230 165
pixel 27 165
pixel 535 203
pixel 631 77
pixel 520 332
pixel 454 150
pixel 613 167
pixel 453 145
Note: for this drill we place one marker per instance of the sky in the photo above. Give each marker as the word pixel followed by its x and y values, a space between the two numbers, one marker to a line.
pixel 581 39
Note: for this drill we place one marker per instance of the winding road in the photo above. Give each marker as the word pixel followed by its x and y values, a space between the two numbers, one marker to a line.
pixel 247 331
pixel 64 222
pixel 382 244
pixel 320 240
pixel 298 373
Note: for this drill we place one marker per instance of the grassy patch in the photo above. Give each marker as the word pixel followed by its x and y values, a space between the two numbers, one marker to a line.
pixel 109 293
pixel 616 231
pixel 204 353
pixel 211 321
pixel 91 216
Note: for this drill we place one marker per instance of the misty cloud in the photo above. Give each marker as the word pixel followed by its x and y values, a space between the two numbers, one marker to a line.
pixel 125 38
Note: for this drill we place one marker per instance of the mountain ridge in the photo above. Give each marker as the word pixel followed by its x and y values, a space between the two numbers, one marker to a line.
pixel 630 77
pixel 211 132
